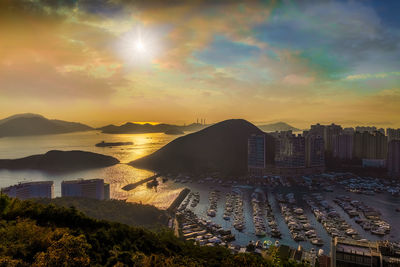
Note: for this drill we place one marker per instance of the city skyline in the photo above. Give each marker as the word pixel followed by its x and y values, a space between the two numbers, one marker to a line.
pixel 113 62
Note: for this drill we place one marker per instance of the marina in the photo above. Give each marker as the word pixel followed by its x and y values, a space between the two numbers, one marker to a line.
pixel 276 211
pixel 297 222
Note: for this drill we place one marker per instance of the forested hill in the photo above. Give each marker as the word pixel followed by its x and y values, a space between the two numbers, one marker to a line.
pixel 33 234
pixel 133 214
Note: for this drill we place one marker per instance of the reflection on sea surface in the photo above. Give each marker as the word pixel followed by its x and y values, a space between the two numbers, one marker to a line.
pixel 143 144
pixel 118 175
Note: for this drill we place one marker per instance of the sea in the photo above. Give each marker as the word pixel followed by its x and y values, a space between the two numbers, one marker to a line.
pixel 143 144
pixel 118 175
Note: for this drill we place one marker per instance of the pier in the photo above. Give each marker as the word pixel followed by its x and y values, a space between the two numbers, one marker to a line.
pixel 131 186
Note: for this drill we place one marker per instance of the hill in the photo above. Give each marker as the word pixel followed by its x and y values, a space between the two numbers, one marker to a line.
pixel 279 126
pixel 135 128
pixel 221 147
pixel 22 115
pixel 33 234
pixel 134 214
pixel 32 124
pixel 56 160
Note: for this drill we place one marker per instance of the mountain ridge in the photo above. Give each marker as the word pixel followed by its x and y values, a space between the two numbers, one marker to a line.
pixel 278 126
pixel 132 128
pixel 33 124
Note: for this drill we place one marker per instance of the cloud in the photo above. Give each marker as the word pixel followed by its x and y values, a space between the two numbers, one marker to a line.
pixel 222 52
pixel 42 81
pixel 293 79
pixel 336 38
pixel 371 76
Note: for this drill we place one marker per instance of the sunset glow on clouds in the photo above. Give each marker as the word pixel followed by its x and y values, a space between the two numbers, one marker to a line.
pixel 113 61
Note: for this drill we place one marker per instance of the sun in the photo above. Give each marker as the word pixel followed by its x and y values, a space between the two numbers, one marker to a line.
pixel 139 46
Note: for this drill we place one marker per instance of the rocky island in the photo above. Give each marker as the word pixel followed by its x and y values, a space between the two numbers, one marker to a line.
pixel 57 161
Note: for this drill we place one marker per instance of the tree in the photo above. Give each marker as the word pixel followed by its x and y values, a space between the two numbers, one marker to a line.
pixel 69 250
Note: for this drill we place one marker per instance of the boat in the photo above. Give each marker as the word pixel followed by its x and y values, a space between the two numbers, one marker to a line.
pixel 317 242
pixel 378 231
pixel 366 226
pixel 211 213
pixel 351 231
pixel 275 233
pixel 152 183
pixel 260 233
pixel 239 226
pixel 105 144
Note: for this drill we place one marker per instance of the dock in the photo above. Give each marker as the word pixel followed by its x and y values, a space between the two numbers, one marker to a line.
pixel 175 204
pixel 131 186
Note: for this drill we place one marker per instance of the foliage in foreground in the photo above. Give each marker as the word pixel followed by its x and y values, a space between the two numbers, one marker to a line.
pixel 33 234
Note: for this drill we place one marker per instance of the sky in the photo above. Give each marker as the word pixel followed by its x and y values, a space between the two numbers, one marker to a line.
pixel 102 62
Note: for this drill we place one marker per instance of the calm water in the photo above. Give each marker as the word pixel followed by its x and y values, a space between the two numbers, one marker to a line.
pixel 144 144
pixel 118 175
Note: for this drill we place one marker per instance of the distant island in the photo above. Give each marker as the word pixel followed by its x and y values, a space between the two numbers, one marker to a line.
pixel 221 147
pixel 106 144
pixel 174 132
pixel 60 161
pixel 278 126
pixel 135 128
pixel 34 124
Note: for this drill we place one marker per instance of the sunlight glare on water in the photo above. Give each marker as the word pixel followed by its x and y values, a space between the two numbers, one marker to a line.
pixel 118 175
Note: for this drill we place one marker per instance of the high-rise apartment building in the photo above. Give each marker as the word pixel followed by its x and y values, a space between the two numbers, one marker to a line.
pixel 290 151
pixel 370 145
pixel 349 130
pixel 317 129
pixel 393 160
pixel 393 134
pixel 343 146
pixel 42 189
pixel 327 132
pixel 369 129
pixel 256 151
pixel 330 132
pixel 92 188
pixel 315 151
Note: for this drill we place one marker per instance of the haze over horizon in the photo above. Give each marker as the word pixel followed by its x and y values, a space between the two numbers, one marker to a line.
pixel 99 62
